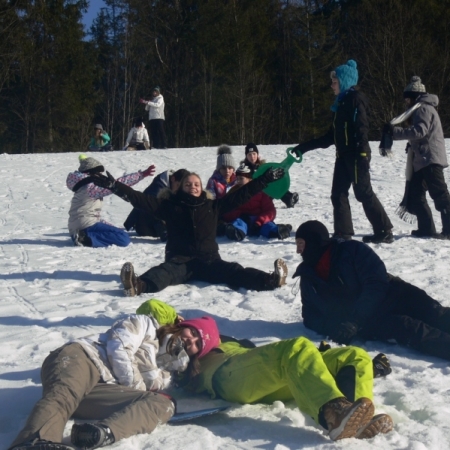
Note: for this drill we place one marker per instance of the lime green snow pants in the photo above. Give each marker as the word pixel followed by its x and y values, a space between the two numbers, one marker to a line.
pixel 292 369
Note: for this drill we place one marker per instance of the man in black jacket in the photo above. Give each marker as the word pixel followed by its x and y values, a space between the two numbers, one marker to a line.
pixel 346 292
pixel 349 133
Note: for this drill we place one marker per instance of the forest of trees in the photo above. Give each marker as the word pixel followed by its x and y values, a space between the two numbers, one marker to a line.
pixel 230 71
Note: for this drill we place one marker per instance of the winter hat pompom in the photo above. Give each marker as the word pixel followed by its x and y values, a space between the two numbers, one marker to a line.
pixel 208 331
pixel 347 74
pixel 224 157
pixel 89 164
pixel 414 88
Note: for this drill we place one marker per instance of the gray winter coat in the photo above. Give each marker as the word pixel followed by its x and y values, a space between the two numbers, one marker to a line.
pixel 425 135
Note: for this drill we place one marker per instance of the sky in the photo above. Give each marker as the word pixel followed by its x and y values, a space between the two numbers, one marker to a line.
pixel 53 292
pixel 94 8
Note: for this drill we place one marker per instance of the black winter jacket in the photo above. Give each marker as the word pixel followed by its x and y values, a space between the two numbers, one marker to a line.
pixel 350 129
pixel 191 221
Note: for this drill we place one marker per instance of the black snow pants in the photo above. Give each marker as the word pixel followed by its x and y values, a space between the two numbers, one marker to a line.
pixel 350 170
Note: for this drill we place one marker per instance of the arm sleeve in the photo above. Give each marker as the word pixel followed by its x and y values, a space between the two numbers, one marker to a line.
pixel 322 142
pixel 106 138
pixel 140 200
pixel 211 187
pixel 129 180
pixel 421 124
pixel 361 125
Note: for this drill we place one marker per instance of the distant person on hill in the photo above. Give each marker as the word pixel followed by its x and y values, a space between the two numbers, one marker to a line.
pixel 145 223
pixel 253 160
pixel 223 177
pixel 349 133
pixel 191 251
pixel 137 138
pixel 101 140
pixel 429 159
pixel 155 108
pixel 254 218
pixel 85 224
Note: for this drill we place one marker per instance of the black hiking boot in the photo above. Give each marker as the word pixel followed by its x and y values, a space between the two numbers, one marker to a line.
pixel 91 435
pixel 233 233
pixel 284 231
pixel 290 199
pixel 40 444
pixel 384 237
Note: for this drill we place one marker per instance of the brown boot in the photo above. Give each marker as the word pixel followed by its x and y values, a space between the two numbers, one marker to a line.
pixel 381 423
pixel 132 284
pixel 344 419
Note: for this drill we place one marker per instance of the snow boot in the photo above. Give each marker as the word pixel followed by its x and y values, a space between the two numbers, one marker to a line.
pixel 91 435
pixel 424 233
pixel 445 216
pixel 233 233
pixel 81 239
pixel 284 231
pixel 40 444
pixel 290 199
pixel 383 237
pixel 344 419
pixel 132 284
pixel 278 277
pixel 381 423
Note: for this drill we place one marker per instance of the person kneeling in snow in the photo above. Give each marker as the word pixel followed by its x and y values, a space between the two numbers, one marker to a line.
pixel 137 138
pixel 85 226
pixel 255 217
pixel 347 293
pixel 112 378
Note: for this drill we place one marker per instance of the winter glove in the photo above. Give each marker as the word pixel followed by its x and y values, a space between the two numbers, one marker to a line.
pixel 344 333
pixel 271 175
pixel 149 172
pixel 324 346
pixel 381 366
pixel 107 182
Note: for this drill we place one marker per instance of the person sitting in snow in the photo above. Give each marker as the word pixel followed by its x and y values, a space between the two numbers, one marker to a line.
pixel 223 178
pixel 191 251
pixel 347 293
pixel 113 378
pixel 253 161
pixel 85 225
pixel 101 142
pixel 254 218
pixel 137 138
pixel 146 223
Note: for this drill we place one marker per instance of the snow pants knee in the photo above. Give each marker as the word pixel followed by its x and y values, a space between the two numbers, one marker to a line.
pixel 104 235
pixel 293 369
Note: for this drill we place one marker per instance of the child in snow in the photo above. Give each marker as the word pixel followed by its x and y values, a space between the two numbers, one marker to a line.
pixel 255 217
pixel 192 252
pixel 101 140
pixel 144 222
pixel 85 225
pixel 112 378
pixel 223 178
pixel 334 385
pixel 253 161
pixel 137 138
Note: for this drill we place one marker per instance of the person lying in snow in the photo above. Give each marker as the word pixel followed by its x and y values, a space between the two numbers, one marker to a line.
pixel 192 252
pixel 85 225
pixel 254 218
pixel 347 293
pixel 112 378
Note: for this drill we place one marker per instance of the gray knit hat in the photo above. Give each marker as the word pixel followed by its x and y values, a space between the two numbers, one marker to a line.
pixel 414 88
pixel 98 126
pixel 224 157
pixel 87 164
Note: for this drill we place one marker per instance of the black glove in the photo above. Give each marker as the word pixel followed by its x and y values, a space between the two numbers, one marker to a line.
pixel 108 182
pixel 344 333
pixel 381 366
pixel 324 346
pixel 386 140
pixel 388 129
pixel 271 174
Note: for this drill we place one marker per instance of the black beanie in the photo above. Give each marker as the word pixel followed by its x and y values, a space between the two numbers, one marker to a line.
pixel 251 147
pixel 316 237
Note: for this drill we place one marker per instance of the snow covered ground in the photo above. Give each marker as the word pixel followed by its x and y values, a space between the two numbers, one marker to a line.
pixel 53 292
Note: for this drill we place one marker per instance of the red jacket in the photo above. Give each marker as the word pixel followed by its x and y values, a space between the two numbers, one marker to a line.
pixel 260 205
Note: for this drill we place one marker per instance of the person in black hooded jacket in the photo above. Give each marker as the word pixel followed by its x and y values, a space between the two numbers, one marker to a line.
pixel 346 293
pixel 192 252
pixel 349 133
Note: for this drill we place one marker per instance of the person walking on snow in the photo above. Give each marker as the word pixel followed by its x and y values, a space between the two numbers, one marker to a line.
pixel 85 225
pixel 192 252
pixel 155 108
pixel 429 159
pixel 224 177
pixel 349 133
pixel 113 378
pixel 347 293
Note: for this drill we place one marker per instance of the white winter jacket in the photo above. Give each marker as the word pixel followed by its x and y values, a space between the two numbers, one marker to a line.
pixel 139 135
pixel 129 354
pixel 155 108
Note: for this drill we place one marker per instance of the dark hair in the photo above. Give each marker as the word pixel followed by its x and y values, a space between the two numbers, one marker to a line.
pixel 180 174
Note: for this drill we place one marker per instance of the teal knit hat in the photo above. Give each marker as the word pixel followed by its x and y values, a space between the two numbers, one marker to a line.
pixel 347 74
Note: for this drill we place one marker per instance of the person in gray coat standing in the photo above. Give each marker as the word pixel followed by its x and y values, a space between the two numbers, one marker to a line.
pixel 426 138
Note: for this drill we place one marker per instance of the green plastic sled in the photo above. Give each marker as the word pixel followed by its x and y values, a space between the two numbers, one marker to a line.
pixel 278 188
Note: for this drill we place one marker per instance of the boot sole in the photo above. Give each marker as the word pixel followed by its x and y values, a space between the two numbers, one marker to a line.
pixel 281 270
pixel 357 418
pixel 44 446
pixel 126 276
pixel 380 424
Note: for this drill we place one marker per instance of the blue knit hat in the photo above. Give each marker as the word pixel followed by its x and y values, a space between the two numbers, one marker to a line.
pixel 347 74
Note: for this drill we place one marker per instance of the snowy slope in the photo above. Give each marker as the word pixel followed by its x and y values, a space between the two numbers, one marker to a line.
pixel 53 292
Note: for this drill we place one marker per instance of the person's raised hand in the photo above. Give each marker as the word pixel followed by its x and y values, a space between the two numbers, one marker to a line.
pixel 150 171
pixel 272 174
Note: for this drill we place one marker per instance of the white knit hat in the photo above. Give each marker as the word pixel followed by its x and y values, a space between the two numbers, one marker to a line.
pixel 414 88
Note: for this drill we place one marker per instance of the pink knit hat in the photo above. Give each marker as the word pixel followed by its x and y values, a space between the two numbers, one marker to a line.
pixel 208 331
